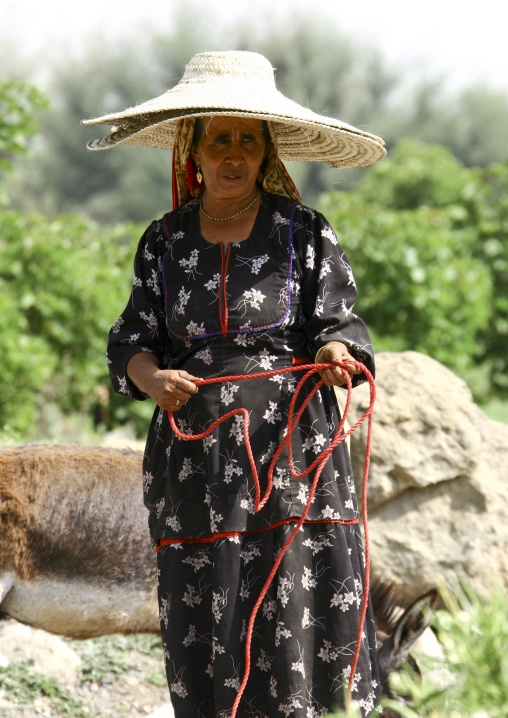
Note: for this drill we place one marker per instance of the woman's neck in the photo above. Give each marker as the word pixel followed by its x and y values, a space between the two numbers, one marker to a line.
pixel 235 229
pixel 224 209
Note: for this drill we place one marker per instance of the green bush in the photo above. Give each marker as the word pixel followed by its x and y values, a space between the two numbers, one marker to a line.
pixel 62 284
pixel 419 286
pixel 428 242
pixel 22 685
pixel 472 679
pixel 19 103
pixel 427 238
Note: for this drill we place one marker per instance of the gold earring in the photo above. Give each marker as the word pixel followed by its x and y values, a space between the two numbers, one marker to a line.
pixel 199 176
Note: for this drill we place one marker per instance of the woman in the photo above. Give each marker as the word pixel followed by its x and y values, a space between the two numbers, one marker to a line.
pixel 241 278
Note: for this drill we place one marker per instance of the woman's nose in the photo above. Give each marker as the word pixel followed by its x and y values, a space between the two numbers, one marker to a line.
pixel 235 153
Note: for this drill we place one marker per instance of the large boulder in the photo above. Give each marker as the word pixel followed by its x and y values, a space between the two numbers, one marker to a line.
pixel 438 482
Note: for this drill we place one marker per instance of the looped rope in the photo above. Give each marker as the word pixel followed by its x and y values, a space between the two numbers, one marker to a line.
pixel 318 464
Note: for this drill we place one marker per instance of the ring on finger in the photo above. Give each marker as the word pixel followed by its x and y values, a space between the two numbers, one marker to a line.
pixel 177 401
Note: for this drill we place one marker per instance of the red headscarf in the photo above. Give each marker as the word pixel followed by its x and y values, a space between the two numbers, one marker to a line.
pixel 185 185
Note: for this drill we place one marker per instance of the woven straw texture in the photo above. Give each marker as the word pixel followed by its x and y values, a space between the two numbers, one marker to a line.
pixel 240 84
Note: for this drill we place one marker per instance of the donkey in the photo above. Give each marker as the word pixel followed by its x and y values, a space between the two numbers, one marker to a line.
pixel 75 555
pixel 399 624
pixel 76 558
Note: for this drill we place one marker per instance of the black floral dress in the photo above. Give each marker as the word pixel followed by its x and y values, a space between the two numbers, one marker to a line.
pixel 265 303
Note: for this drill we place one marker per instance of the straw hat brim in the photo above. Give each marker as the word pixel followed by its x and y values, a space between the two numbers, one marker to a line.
pixel 300 133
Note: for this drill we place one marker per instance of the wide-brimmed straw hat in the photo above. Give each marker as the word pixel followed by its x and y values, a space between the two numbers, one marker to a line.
pixel 240 84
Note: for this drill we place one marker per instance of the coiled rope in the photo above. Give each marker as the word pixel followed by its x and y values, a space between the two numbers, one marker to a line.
pixel 317 464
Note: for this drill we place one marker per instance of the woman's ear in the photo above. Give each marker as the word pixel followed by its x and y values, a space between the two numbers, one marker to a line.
pixel 195 155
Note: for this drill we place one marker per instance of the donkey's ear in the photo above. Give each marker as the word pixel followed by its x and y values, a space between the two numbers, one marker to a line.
pixel 411 625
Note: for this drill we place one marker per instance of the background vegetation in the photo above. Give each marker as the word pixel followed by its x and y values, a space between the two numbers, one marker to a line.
pixel 425 230
pixel 470 680
pixel 115 676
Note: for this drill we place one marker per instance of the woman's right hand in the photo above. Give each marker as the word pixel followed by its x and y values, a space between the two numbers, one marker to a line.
pixel 169 388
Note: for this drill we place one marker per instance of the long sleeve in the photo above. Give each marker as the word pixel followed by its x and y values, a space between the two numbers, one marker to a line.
pixel 329 292
pixel 141 326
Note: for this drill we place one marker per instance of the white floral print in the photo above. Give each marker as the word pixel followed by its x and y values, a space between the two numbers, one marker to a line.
pixel 255 263
pixel 227 393
pixel 190 265
pixel 272 415
pixel 278 301
pixel 310 257
pixel 194 330
pixel 237 429
pixel 328 233
pixel 118 325
pixel 252 298
pixel 183 298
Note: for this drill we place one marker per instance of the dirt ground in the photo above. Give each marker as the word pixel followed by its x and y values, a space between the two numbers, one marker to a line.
pixel 108 677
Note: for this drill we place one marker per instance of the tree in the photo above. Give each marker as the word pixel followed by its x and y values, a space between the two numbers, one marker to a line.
pixel 19 103
pixel 63 282
pixel 316 65
pixel 492 250
pixel 418 230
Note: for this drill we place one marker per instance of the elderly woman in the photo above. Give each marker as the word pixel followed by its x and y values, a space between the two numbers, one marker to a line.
pixel 242 278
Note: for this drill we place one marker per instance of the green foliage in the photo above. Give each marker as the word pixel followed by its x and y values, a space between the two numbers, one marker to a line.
pixel 473 124
pixel 105 661
pixel 496 410
pixel 417 174
pixel 62 284
pixel 472 679
pixel 108 656
pixel 426 236
pixel 19 103
pixel 427 239
pixel 105 657
pixel 22 685
pixel 352 711
pixel 492 249
pixel 351 80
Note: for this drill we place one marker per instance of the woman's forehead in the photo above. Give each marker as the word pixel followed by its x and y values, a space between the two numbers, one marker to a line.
pixel 221 123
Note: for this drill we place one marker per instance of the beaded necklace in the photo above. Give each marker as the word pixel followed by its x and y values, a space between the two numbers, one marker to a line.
pixel 233 216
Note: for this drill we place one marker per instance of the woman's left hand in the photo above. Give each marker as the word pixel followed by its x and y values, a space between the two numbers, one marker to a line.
pixel 336 353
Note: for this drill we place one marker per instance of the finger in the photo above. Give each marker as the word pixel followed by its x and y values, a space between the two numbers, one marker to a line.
pixel 177 401
pixel 183 385
pixel 179 397
pixel 190 377
pixel 347 363
pixel 338 377
pixel 333 377
pixel 351 368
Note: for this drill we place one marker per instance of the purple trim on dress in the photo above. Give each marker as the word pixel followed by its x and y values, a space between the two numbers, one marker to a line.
pixel 166 230
pixel 245 329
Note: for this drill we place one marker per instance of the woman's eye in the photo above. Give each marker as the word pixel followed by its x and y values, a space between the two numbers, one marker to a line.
pixel 222 139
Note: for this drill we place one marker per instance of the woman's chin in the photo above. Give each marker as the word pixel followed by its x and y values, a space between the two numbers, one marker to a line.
pixel 233 188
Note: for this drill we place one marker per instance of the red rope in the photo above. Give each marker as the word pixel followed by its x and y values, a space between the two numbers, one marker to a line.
pixel 318 464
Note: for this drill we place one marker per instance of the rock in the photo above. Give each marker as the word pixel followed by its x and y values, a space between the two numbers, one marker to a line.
pixel 163 712
pixel 122 438
pixel 52 656
pixel 438 489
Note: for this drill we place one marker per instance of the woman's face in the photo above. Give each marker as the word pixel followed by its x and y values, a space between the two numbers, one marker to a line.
pixel 230 153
